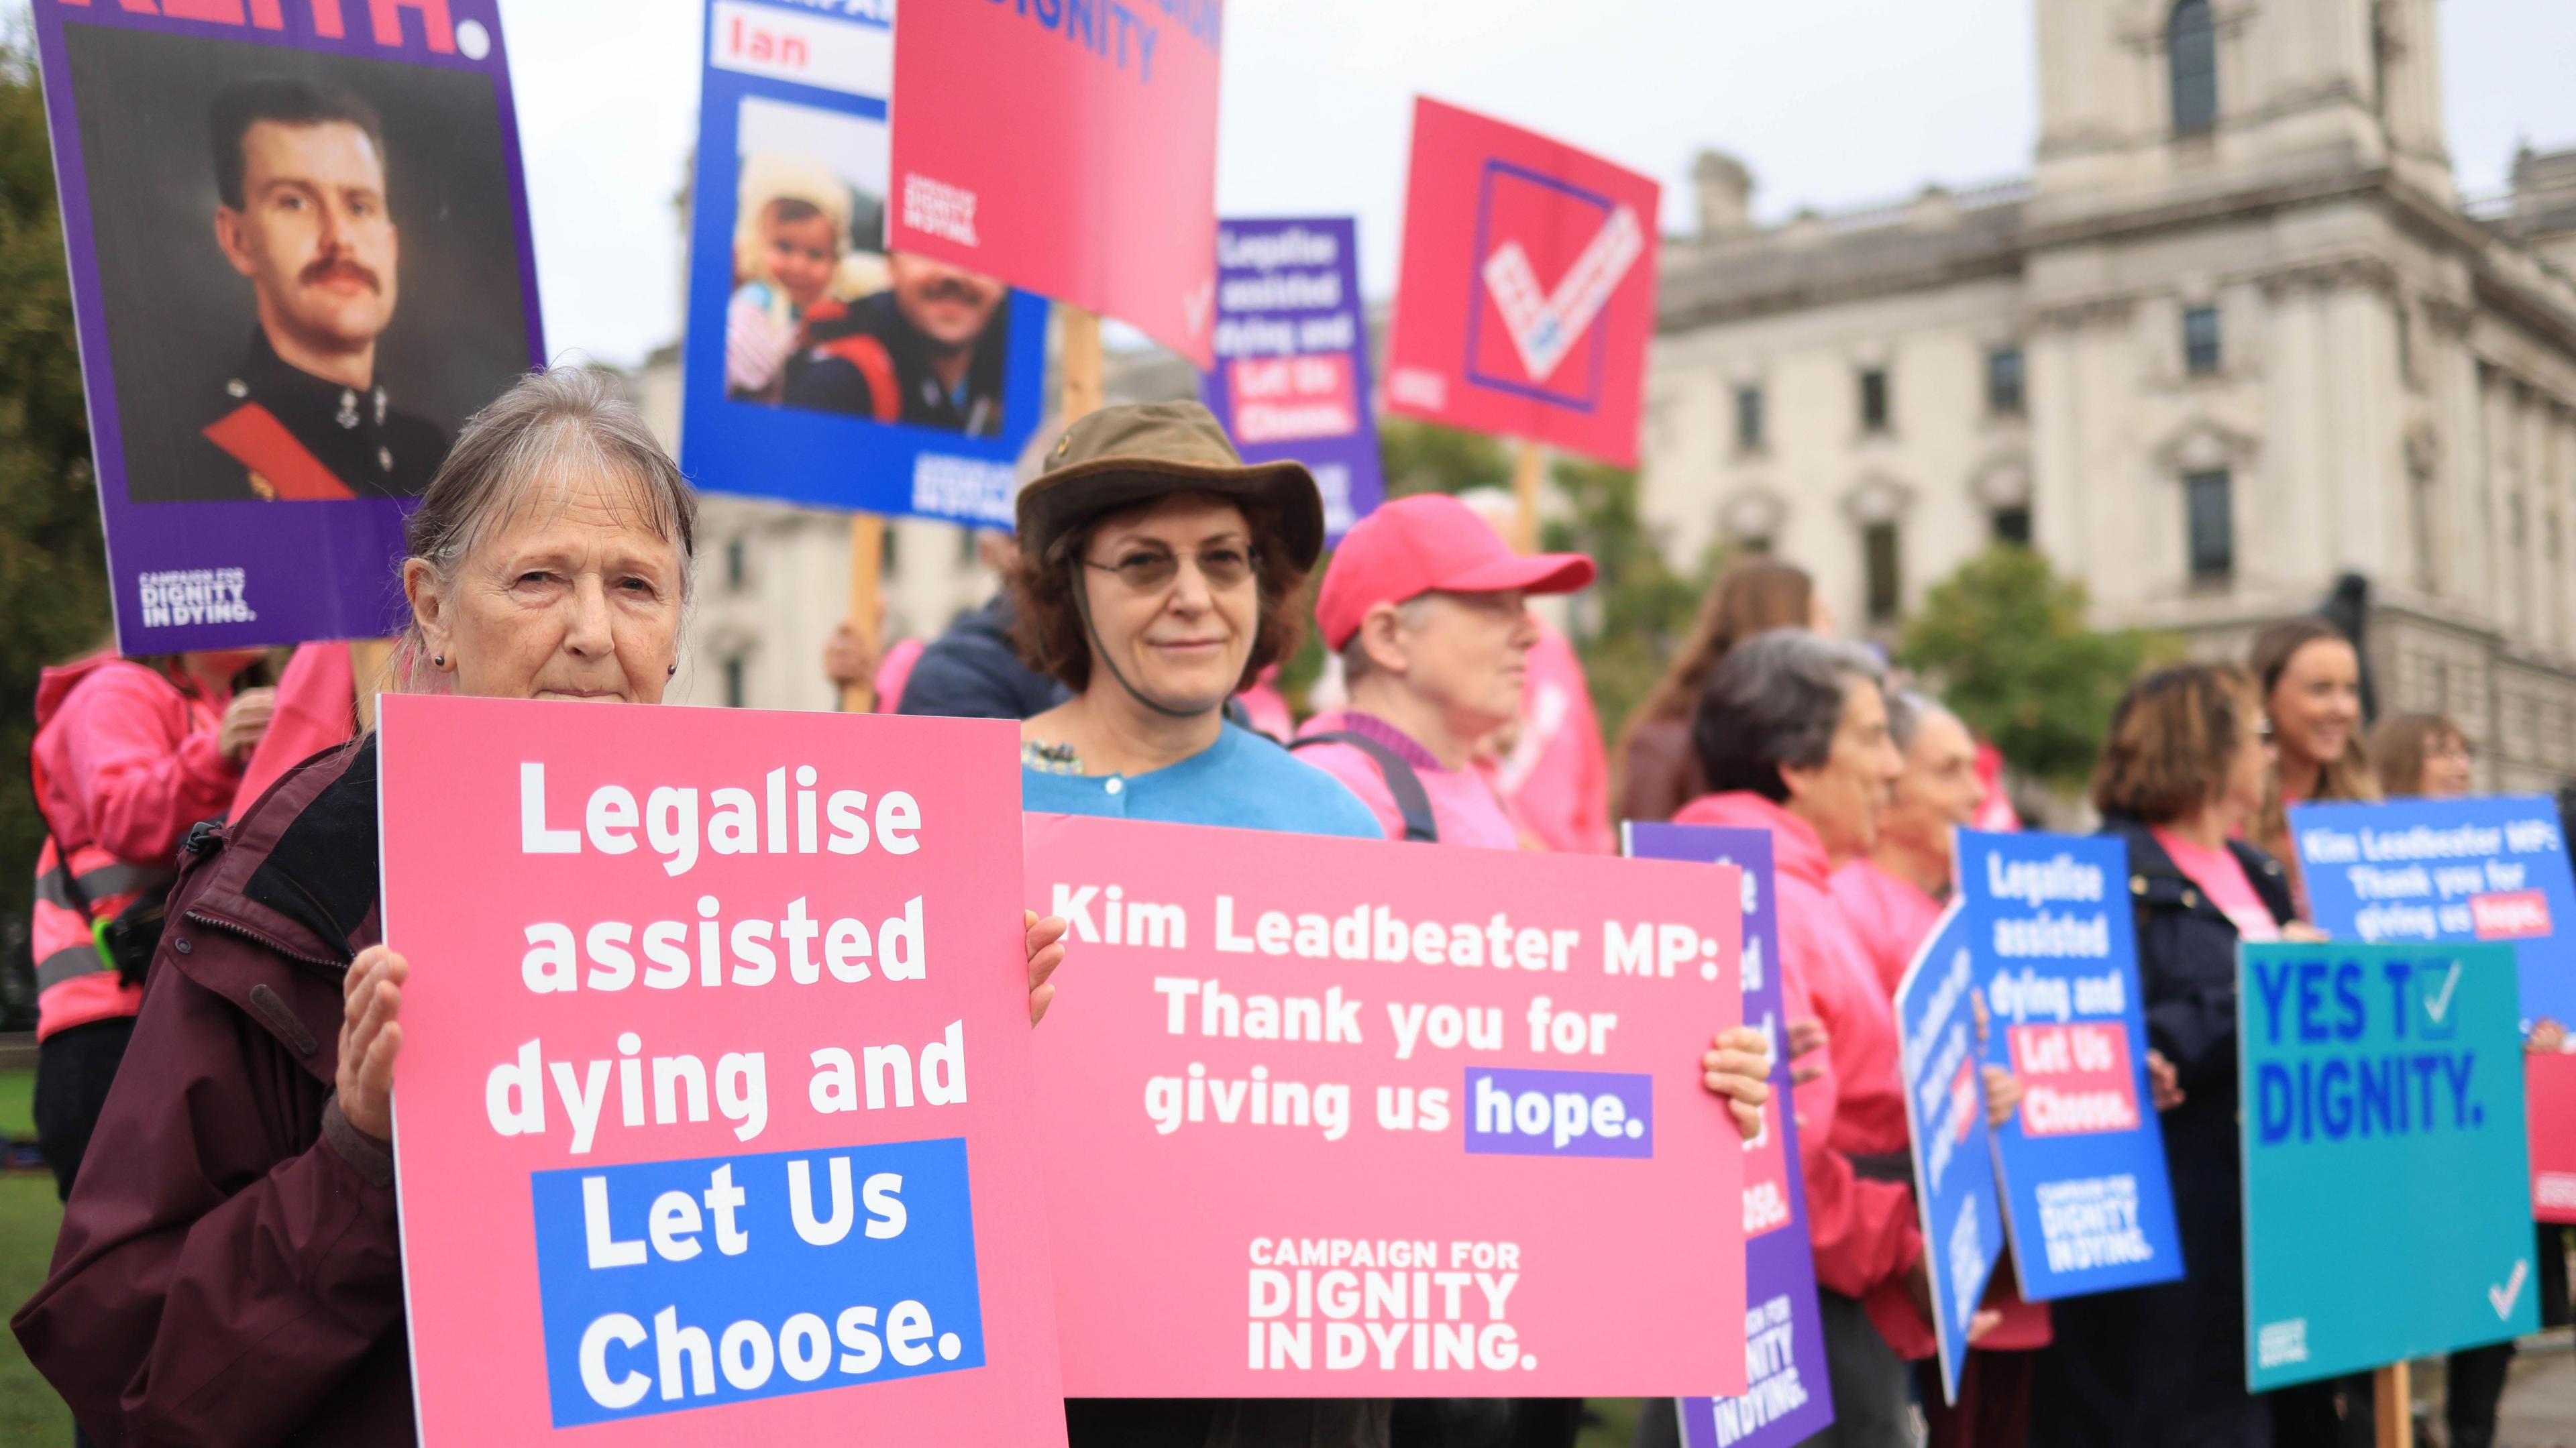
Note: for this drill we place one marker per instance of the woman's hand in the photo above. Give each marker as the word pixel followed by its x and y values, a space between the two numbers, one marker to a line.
pixel 2163 1081
pixel 370 1038
pixel 245 722
pixel 2300 932
pixel 2003 1095
pixel 1807 1036
pixel 1046 952
pixel 2548 1038
pixel 1735 1067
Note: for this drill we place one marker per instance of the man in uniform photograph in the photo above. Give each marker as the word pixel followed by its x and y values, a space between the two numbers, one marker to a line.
pixel 300 171
pixel 929 350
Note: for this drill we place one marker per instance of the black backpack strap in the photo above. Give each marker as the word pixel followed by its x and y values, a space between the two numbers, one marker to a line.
pixel 1411 800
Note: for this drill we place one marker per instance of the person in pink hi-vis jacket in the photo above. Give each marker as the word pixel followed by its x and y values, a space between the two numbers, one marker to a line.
pixel 1892 898
pixel 1792 734
pixel 128 754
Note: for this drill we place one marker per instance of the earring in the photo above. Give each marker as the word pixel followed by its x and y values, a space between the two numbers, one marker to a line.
pixel 672 672
pixel 438 661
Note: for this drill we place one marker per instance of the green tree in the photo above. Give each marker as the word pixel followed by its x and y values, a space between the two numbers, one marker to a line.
pixel 1424 457
pixel 2006 640
pixel 53 585
pixel 1628 624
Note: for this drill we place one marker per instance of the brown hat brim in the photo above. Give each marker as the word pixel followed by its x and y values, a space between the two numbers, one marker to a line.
pixel 1058 505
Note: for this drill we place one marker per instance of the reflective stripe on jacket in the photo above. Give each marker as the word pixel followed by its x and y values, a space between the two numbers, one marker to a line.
pixel 124 761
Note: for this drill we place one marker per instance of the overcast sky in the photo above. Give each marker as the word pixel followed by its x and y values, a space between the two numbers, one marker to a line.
pixel 1832 103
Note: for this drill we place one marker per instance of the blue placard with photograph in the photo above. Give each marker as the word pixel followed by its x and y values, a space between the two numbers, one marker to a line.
pixel 819 369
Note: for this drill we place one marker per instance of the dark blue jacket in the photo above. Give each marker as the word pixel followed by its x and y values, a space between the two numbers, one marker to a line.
pixel 973 672
pixel 2166 1364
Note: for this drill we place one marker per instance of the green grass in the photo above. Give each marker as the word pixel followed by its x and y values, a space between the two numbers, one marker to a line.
pixel 1618 1425
pixel 18 1104
pixel 30 1415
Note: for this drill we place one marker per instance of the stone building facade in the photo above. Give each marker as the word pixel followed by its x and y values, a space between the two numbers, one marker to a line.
pixel 2234 337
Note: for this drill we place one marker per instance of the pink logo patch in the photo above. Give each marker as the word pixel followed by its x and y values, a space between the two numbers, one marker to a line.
pixel 2511 915
pixel 2077 1079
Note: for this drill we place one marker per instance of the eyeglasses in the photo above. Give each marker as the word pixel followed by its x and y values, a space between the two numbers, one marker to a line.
pixel 1151 570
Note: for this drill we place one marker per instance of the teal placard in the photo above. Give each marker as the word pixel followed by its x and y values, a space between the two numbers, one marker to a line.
pixel 2387 1184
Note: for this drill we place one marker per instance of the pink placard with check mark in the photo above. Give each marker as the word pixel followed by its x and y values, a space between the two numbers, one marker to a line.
pixel 1527 293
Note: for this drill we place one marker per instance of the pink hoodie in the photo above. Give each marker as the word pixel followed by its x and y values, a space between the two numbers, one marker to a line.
pixel 124 761
pixel 1865 1230
pixel 1556 780
pixel 1889 916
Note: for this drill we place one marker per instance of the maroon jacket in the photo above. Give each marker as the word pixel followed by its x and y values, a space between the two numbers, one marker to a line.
pixel 228 1270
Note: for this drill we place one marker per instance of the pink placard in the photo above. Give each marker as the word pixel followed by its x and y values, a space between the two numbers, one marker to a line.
pixel 1336 1118
pixel 1527 291
pixel 712 1113
pixel 2549 1084
pixel 1067 147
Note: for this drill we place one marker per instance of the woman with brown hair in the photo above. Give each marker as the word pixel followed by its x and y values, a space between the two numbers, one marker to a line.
pixel 2310 678
pixel 2184 769
pixel 2423 755
pixel 1654 770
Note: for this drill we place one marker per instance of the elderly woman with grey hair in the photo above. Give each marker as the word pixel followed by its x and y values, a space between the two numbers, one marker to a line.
pixel 1792 737
pixel 228 1270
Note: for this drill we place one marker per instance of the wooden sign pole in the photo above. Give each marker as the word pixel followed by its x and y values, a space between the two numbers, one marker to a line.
pixel 2393 1407
pixel 867 611
pixel 1080 361
pixel 1529 468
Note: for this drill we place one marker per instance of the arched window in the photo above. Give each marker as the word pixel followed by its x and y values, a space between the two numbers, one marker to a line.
pixel 2191 48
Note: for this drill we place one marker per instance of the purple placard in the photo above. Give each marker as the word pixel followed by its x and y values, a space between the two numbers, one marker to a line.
pixel 1789 1399
pixel 1292 373
pixel 275 365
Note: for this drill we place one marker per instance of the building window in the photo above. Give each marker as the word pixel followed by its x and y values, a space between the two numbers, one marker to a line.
pixel 1758 544
pixel 737 563
pixel 966 547
pixel 2210 503
pixel 1748 419
pixel 2191 48
pixel 890 553
pixel 1873 400
pixel 2405 345
pixel 2201 353
pixel 2012 524
pixel 1879 558
pixel 2003 382
pixel 736 689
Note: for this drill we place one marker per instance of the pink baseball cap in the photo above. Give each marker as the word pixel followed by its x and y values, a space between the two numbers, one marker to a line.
pixel 1426 543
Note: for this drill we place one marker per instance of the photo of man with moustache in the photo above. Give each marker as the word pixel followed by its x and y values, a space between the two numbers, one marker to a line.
pixel 302 214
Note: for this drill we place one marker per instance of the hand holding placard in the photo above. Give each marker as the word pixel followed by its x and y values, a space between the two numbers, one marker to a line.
pixel 717 1067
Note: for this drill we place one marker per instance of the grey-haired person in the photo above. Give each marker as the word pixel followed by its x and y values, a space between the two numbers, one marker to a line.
pixel 228 1270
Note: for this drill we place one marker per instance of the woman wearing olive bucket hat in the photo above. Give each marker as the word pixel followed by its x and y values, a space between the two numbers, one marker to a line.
pixel 1158 574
